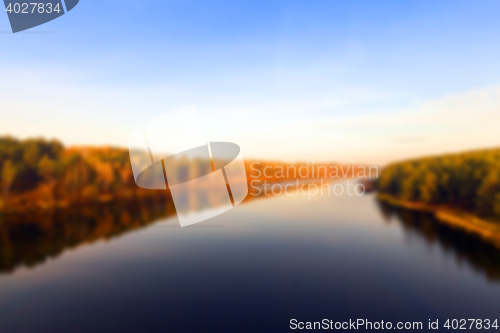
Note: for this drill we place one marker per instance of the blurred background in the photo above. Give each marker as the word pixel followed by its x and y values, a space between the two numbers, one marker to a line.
pixel 409 87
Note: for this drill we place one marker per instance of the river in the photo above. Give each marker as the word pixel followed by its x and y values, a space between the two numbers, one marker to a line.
pixel 252 269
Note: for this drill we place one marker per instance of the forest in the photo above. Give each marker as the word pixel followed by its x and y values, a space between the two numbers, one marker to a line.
pixel 468 181
pixel 41 174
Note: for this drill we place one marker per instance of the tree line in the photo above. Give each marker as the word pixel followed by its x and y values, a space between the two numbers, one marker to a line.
pixel 43 173
pixel 40 173
pixel 469 181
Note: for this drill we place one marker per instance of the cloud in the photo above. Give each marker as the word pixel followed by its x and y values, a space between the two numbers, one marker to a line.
pixel 287 127
pixel 468 120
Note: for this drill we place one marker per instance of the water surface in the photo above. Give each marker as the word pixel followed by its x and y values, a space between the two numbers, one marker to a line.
pixel 253 268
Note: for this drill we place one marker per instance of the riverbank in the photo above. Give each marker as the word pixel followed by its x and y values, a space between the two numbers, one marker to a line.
pixel 488 231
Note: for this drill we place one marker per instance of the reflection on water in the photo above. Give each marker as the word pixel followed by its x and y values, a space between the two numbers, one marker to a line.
pixel 482 256
pixel 29 239
pixel 251 269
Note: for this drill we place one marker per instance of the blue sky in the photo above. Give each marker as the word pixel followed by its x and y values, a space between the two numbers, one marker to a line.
pixel 254 69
